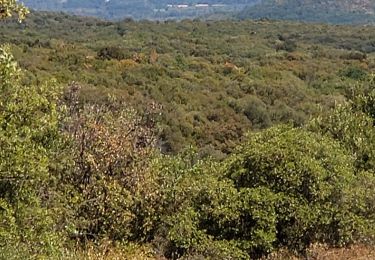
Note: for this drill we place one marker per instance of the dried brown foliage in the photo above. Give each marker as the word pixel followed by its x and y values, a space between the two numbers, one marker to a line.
pixel 111 147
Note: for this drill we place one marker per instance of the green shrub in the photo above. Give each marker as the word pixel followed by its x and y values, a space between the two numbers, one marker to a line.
pixel 112 52
pixel 309 174
pixel 363 99
pixel 204 215
pixel 354 73
pixel 353 128
pixel 29 144
pixel 355 55
pixel 286 45
pixel 257 113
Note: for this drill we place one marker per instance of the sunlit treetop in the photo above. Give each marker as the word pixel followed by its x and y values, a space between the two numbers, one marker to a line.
pixel 8 8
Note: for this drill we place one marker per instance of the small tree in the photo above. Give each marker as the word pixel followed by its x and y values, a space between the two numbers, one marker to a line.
pixel 111 147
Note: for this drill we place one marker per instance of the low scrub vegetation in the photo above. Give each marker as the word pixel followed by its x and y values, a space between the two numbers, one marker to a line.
pixel 75 173
pixel 83 178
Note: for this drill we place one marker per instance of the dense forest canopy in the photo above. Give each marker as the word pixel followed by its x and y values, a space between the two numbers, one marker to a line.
pixel 184 140
pixel 214 80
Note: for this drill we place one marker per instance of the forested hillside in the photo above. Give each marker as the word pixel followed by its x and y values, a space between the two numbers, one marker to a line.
pixel 185 140
pixel 214 80
pixel 321 11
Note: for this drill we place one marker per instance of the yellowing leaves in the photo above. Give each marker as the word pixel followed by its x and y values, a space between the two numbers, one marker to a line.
pixel 10 7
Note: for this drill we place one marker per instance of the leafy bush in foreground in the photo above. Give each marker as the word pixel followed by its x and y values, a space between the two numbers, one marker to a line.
pixel 284 187
pixel 29 144
pixel 311 176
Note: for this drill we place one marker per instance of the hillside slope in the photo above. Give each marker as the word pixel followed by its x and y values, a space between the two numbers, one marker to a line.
pixel 340 12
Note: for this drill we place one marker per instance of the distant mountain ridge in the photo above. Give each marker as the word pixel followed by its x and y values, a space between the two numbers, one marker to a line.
pixel 365 6
pixel 141 9
pixel 331 11
pixel 325 11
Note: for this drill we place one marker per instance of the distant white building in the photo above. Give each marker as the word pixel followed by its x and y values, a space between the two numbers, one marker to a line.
pixel 202 5
pixel 182 6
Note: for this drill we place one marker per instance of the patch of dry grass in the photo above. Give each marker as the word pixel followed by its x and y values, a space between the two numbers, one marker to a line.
pixel 355 252
pixel 109 251
pixel 323 252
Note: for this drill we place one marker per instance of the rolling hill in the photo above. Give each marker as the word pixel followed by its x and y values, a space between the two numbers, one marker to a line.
pixel 327 11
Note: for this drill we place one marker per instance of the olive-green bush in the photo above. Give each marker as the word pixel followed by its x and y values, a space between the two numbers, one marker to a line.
pixel 29 145
pixel 310 175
